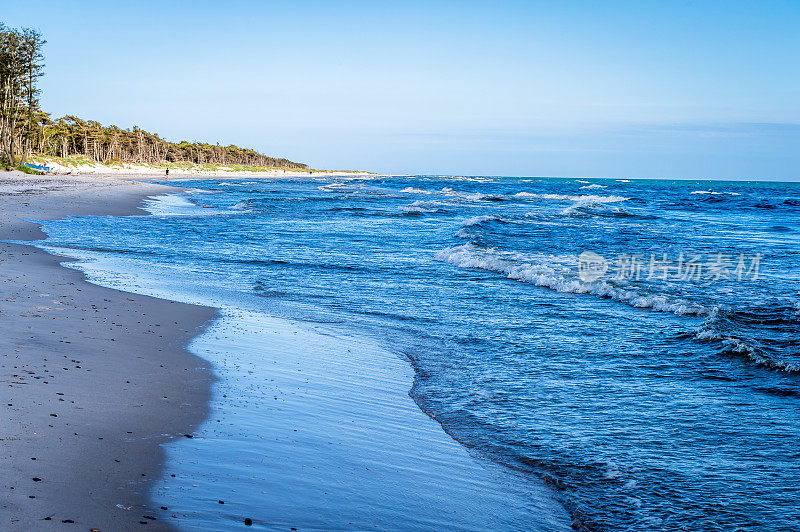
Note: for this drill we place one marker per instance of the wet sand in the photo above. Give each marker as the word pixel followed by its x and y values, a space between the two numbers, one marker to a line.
pixel 94 380
pixel 312 428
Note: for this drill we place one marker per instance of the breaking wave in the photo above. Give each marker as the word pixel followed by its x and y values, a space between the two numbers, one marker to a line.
pixel 559 274
pixel 562 197
pixel 590 208
pixel 332 187
pixel 715 193
pixel 479 196
pixel 426 207
pixel 175 205
pixel 765 336
pixel 241 206
pixel 477 220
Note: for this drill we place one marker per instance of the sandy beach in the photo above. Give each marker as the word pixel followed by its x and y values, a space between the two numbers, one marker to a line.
pixel 94 380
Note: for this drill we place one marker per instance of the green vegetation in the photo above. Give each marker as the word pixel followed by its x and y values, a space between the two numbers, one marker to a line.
pixel 20 68
pixel 26 130
pixel 70 136
pixel 71 161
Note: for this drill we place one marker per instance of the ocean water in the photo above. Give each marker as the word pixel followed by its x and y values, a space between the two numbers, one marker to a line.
pixel 632 346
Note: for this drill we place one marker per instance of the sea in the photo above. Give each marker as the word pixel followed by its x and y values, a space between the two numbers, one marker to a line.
pixel 630 346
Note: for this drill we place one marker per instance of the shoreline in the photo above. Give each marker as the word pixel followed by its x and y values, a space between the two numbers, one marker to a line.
pixel 114 445
pixel 94 383
pixel 312 427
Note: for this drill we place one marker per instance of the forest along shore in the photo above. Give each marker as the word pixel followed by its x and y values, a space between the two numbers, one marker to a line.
pixel 94 380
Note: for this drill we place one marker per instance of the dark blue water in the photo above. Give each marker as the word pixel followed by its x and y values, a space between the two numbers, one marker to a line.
pixel 656 386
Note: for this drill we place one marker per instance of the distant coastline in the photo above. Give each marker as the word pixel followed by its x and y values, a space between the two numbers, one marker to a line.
pixel 29 136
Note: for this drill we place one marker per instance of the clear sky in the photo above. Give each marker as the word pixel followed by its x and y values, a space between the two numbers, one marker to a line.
pixel 685 89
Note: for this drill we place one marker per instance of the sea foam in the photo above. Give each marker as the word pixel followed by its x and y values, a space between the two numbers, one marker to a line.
pixel 477 220
pixel 556 273
pixel 175 205
pixel 568 197
pixel 715 193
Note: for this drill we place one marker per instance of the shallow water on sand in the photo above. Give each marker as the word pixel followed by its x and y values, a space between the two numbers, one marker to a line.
pixel 661 395
pixel 314 430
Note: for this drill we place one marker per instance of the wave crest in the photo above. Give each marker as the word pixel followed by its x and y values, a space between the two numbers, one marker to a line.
pixel 764 336
pixel 559 274
pixel 477 220
pixel 582 197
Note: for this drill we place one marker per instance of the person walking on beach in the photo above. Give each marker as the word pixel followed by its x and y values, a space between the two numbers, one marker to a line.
pixel 166 174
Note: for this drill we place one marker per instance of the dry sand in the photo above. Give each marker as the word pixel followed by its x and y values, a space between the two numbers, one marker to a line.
pixel 94 380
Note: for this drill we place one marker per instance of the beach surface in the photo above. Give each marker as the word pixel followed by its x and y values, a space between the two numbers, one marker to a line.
pixel 94 379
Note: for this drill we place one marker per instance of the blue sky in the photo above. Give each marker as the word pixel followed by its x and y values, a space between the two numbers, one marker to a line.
pixel 619 89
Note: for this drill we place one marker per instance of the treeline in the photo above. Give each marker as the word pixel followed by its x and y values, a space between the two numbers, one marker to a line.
pixel 72 136
pixel 25 129
pixel 20 68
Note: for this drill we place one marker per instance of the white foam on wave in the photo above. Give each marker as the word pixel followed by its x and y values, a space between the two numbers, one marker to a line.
pixel 739 346
pixel 175 205
pixel 715 193
pixel 426 206
pixel 475 220
pixel 449 191
pixel 241 206
pixel 558 274
pixel 173 200
pixel 469 196
pixel 476 196
pixel 473 178
pixel 593 186
pixel 575 207
pixel 240 184
pixel 418 209
pixel 567 197
pixel 580 206
pixel 436 203
pixel 332 187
